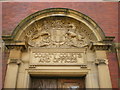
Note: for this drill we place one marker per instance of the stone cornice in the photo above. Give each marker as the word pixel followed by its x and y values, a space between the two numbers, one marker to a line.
pixel 109 38
pixel 100 46
pixel 16 45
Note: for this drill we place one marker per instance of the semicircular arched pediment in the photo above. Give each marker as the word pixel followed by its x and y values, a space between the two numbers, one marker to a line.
pixel 58 31
pixel 57 27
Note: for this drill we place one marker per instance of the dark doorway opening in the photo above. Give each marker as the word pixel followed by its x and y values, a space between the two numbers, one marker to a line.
pixel 57 82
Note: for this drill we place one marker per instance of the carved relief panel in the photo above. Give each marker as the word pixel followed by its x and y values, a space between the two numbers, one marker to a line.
pixel 58 32
pixel 59 41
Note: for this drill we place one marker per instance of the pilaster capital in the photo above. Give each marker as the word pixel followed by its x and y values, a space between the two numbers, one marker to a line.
pixel 15 61
pixel 101 61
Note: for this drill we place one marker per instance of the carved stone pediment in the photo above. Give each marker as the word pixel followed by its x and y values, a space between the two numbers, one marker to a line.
pixel 57 32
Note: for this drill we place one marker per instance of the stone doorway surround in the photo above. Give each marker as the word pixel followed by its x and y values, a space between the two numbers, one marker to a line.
pixel 71 33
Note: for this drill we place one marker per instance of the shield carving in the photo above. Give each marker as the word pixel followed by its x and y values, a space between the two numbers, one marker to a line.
pixel 58 36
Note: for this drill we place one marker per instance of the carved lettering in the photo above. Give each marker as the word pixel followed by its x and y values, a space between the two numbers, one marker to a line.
pixel 57 58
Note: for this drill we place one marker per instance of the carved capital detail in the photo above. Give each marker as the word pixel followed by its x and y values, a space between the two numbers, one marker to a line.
pixel 101 61
pixel 16 61
pixel 15 47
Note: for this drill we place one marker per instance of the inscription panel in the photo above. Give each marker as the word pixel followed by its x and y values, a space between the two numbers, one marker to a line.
pixel 57 57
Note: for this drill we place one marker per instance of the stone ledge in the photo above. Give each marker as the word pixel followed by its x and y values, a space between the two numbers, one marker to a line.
pixel 100 46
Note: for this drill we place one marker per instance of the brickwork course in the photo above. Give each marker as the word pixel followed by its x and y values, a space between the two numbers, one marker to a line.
pixel 105 14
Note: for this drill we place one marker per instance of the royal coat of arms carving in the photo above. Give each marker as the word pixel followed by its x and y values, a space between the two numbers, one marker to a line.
pixel 55 33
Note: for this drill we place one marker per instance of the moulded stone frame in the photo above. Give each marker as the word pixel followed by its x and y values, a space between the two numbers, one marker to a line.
pixel 56 73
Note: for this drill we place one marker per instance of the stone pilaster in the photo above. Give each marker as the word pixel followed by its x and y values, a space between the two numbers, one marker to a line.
pixel 102 63
pixel 104 75
pixel 13 66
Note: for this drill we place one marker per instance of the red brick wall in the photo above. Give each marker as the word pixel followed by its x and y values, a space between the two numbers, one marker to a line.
pixel 5 56
pixel 104 14
pixel 113 67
